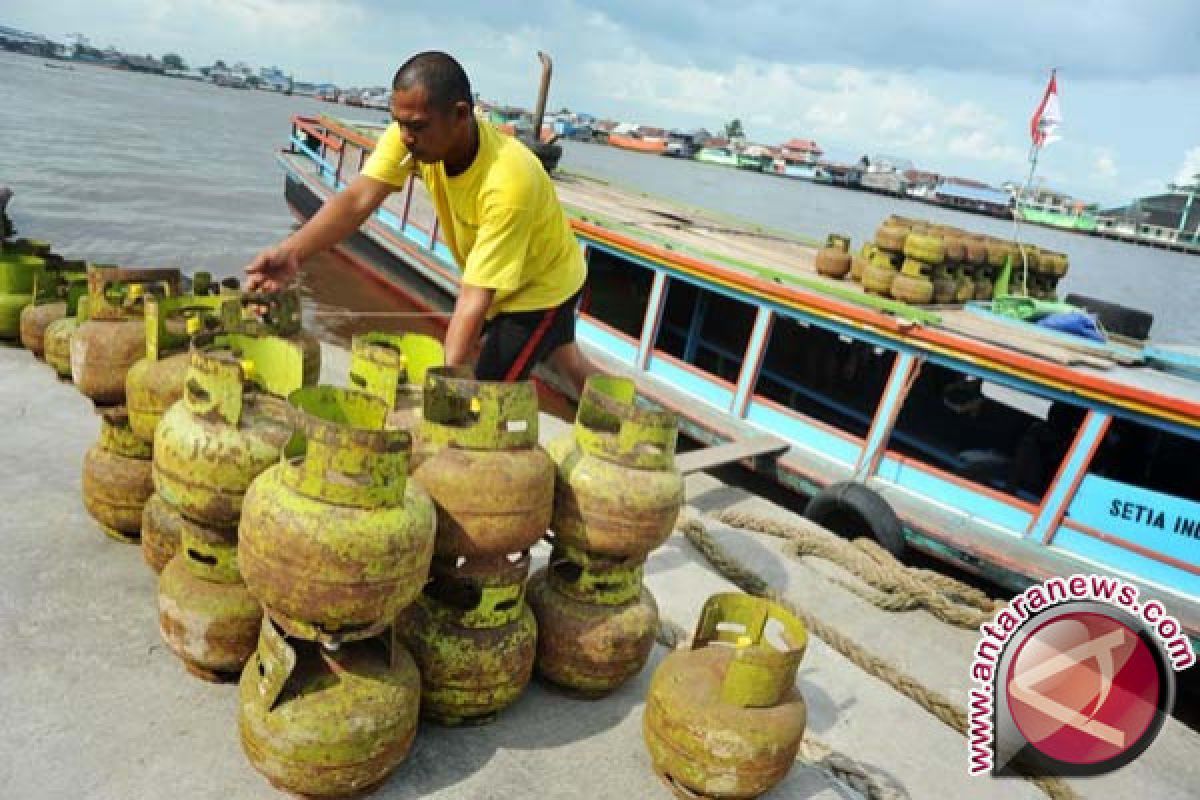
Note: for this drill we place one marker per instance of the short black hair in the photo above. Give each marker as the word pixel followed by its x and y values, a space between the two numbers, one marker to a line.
pixel 443 79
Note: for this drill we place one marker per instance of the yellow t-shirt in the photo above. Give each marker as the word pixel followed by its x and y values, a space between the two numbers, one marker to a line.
pixel 501 219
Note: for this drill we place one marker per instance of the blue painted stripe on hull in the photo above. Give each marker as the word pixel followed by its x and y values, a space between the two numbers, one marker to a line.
pixel 1112 557
pixel 605 341
pixel 717 396
pixel 802 434
pixel 1160 522
pixel 976 504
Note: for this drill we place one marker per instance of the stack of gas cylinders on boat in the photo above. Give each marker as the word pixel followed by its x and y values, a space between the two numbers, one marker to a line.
pixel 360 557
pixel 921 263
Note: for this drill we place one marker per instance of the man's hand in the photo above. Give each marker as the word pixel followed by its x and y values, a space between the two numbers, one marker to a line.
pixel 272 270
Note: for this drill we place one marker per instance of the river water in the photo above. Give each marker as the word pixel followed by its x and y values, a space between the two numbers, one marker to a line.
pixel 150 171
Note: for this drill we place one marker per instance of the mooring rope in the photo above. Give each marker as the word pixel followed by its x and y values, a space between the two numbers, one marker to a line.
pixel 937 704
pixel 894 586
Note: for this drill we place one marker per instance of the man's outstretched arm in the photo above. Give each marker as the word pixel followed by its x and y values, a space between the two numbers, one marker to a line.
pixel 470 312
pixel 276 267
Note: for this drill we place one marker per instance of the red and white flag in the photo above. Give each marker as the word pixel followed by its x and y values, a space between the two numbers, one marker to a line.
pixel 1048 116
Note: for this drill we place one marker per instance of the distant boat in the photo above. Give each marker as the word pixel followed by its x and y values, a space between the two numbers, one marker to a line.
pixel 638 143
pixel 48 65
pixel 721 156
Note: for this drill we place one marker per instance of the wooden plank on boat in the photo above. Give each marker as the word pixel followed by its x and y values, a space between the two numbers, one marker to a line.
pixel 1021 341
pixel 722 454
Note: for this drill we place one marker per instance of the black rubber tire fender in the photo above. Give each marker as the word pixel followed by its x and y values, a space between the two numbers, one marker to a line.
pixel 1116 318
pixel 850 509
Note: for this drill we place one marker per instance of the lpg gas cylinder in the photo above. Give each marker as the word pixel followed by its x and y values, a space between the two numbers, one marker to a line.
pixel 162 532
pixel 618 492
pixel 50 304
pixel 205 613
pixel 279 314
pixel 492 484
pixel 596 621
pixel 114 336
pixel 473 638
pixel 322 723
pixel 725 719
pixel 335 539
pixel 116 478
pixel 155 382
pixel 392 367
pixel 57 341
pixel 18 274
pixel 230 425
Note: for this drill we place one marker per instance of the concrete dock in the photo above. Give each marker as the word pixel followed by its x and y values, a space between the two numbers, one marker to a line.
pixel 95 706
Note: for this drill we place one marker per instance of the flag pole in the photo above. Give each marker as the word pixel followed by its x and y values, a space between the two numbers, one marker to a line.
pixel 1034 150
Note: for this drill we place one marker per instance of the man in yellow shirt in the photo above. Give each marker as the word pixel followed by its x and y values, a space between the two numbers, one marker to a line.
pixel 522 269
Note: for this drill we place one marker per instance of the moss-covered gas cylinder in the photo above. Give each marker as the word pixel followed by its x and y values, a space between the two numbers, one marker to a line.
pixel 596 621
pixel 473 638
pixel 492 483
pixel 335 539
pixel 618 492
pixel 162 532
pixel 114 336
pixel 18 275
pixel 50 303
pixel 155 382
pixel 57 341
pixel 392 367
pixel 327 723
pixel 230 425
pixel 116 478
pixel 205 613
pixel 279 314
pixel 725 719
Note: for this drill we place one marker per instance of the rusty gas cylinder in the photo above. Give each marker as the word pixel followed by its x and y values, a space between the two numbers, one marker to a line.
pixel 57 341
pixel 335 539
pixel 162 532
pixel 114 336
pixel 50 303
pixel 205 613
pixel 618 492
pixel 596 621
pixel 230 425
pixel 155 382
pixel 116 478
pixel 725 719
pixel 492 483
pixel 473 638
pixel 327 723
pixel 279 314
pixel 392 367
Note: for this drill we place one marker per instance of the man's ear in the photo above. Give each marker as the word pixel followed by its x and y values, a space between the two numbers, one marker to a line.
pixel 462 110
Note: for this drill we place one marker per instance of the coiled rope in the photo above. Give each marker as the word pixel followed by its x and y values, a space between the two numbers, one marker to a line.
pixel 941 707
pixel 894 586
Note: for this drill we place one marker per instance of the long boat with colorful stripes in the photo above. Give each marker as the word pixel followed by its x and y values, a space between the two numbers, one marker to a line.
pixel 1012 451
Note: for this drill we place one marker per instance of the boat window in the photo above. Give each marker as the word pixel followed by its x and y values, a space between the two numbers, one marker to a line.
pixel 824 375
pixel 705 329
pixel 1149 458
pixel 988 433
pixel 617 292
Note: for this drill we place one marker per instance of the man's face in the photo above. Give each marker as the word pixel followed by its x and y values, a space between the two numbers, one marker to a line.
pixel 428 132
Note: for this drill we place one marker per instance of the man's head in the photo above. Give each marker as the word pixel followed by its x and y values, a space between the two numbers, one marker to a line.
pixel 431 101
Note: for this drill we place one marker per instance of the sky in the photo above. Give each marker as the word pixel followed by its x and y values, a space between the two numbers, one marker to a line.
pixel 949 85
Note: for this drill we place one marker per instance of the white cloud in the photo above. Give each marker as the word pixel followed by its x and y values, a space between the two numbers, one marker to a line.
pixel 1105 164
pixel 1190 167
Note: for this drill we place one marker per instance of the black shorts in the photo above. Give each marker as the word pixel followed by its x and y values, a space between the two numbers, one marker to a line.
pixel 517 342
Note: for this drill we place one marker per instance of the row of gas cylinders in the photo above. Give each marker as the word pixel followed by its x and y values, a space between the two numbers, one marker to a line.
pixel 360 556
pixel 920 262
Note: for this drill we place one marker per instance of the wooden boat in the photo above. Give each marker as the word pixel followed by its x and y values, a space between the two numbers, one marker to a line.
pixel 638 143
pixel 1015 453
